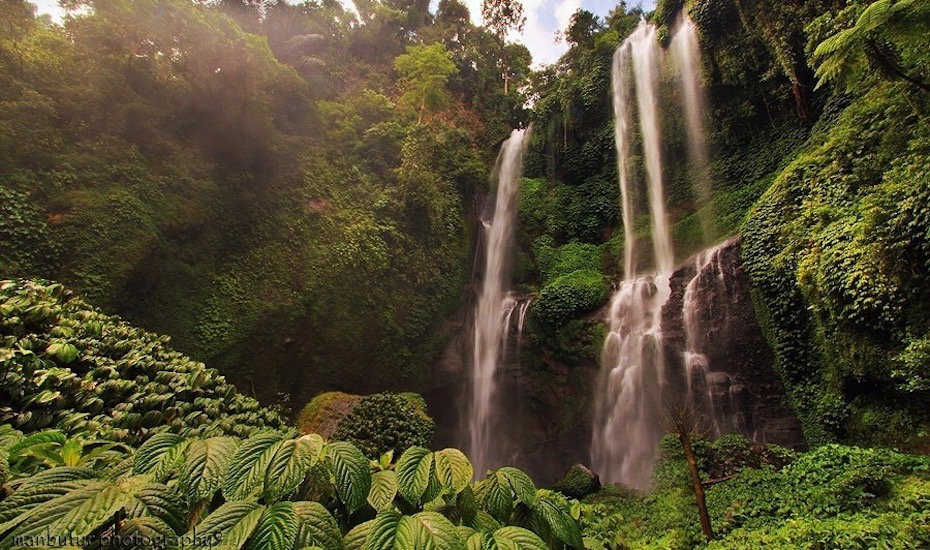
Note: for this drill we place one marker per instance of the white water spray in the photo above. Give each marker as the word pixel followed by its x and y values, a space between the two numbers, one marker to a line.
pixel 494 308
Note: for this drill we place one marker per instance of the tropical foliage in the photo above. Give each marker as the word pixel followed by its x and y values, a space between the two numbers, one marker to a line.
pixel 268 491
pixel 67 365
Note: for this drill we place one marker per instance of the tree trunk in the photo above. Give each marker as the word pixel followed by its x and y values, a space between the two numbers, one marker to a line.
pixel 698 487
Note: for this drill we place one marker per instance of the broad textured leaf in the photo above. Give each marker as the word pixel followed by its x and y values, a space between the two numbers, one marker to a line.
pixel 317 526
pixel 290 464
pixel 383 490
pixel 96 509
pixel 229 525
pixel 521 484
pixel 159 454
pixel 156 500
pixel 146 527
pixel 352 472
pixel 357 536
pixel 480 541
pixel 205 465
pixel 423 531
pixel 277 528
pixel 17 508
pixel 496 497
pixel 246 474
pixel 485 522
pixel 427 531
pixel 556 514
pixel 413 473
pixel 518 538
pixel 453 469
pixel 41 438
pixel 383 531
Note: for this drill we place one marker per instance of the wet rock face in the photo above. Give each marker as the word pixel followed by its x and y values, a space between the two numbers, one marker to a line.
pixel 545 421
pixel 741 390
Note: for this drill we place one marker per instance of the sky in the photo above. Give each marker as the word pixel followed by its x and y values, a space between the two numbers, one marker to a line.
pixel 543 19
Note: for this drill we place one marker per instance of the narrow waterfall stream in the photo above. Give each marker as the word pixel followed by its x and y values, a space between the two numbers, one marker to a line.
pixel 685 52
pixel 713 393
pixel 495 307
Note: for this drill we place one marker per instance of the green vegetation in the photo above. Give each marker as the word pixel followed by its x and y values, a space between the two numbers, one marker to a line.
pixel 383 423
pixel 254 179
pixel 831 497
pixel 176 491
pixel 70 367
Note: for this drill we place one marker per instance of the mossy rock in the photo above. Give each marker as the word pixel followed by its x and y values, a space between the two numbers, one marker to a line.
pixel 578 482
pixel 324 412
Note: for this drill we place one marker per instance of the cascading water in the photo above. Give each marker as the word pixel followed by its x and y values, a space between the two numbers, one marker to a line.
pixel 495 307
pixel 629 406
pixel 713 392
pixel 685 50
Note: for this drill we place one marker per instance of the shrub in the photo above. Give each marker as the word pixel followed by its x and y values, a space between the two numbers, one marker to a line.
pixel 570 296
pixel 386 422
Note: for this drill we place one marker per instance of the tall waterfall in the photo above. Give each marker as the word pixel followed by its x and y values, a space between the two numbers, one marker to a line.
pixel 495 308
pixel 685 50
pixel 630 404
pixel 628 407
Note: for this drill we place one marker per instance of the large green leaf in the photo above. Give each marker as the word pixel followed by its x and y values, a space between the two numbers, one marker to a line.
pixel 40 520
pixel 37 439
pixel 495 497
pixel 17 508
pixel 353 474
pixel 159 455
pixel 290 465
pixel 156 500
pixel 357 536
pixel 520 483
pixel 414 470
pixel 453 469
pixel 98 506
pixel 246 474
pixel 424 531
pixel 230 525
pixel 206 464
pixel 383 490
pixel 277 528
pixel 555 512
pixel 518 538
pixel 317 526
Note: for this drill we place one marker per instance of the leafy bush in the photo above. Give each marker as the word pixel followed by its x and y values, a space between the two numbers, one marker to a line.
pixel 570 296
pixel 253 493
pixel 832 497
pixel 68 366
pixel 386 422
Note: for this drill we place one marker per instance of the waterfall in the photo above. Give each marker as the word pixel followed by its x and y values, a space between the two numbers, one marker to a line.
pixel 492 319
pixel 686 52
pixel 629 406
pixel 713 392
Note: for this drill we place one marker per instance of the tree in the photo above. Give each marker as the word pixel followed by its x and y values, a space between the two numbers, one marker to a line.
pixel 424 71
pixel 875 42
pixel 502 16
pixel 683 419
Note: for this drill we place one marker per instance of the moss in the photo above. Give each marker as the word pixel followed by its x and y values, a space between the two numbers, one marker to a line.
pixel 324 412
